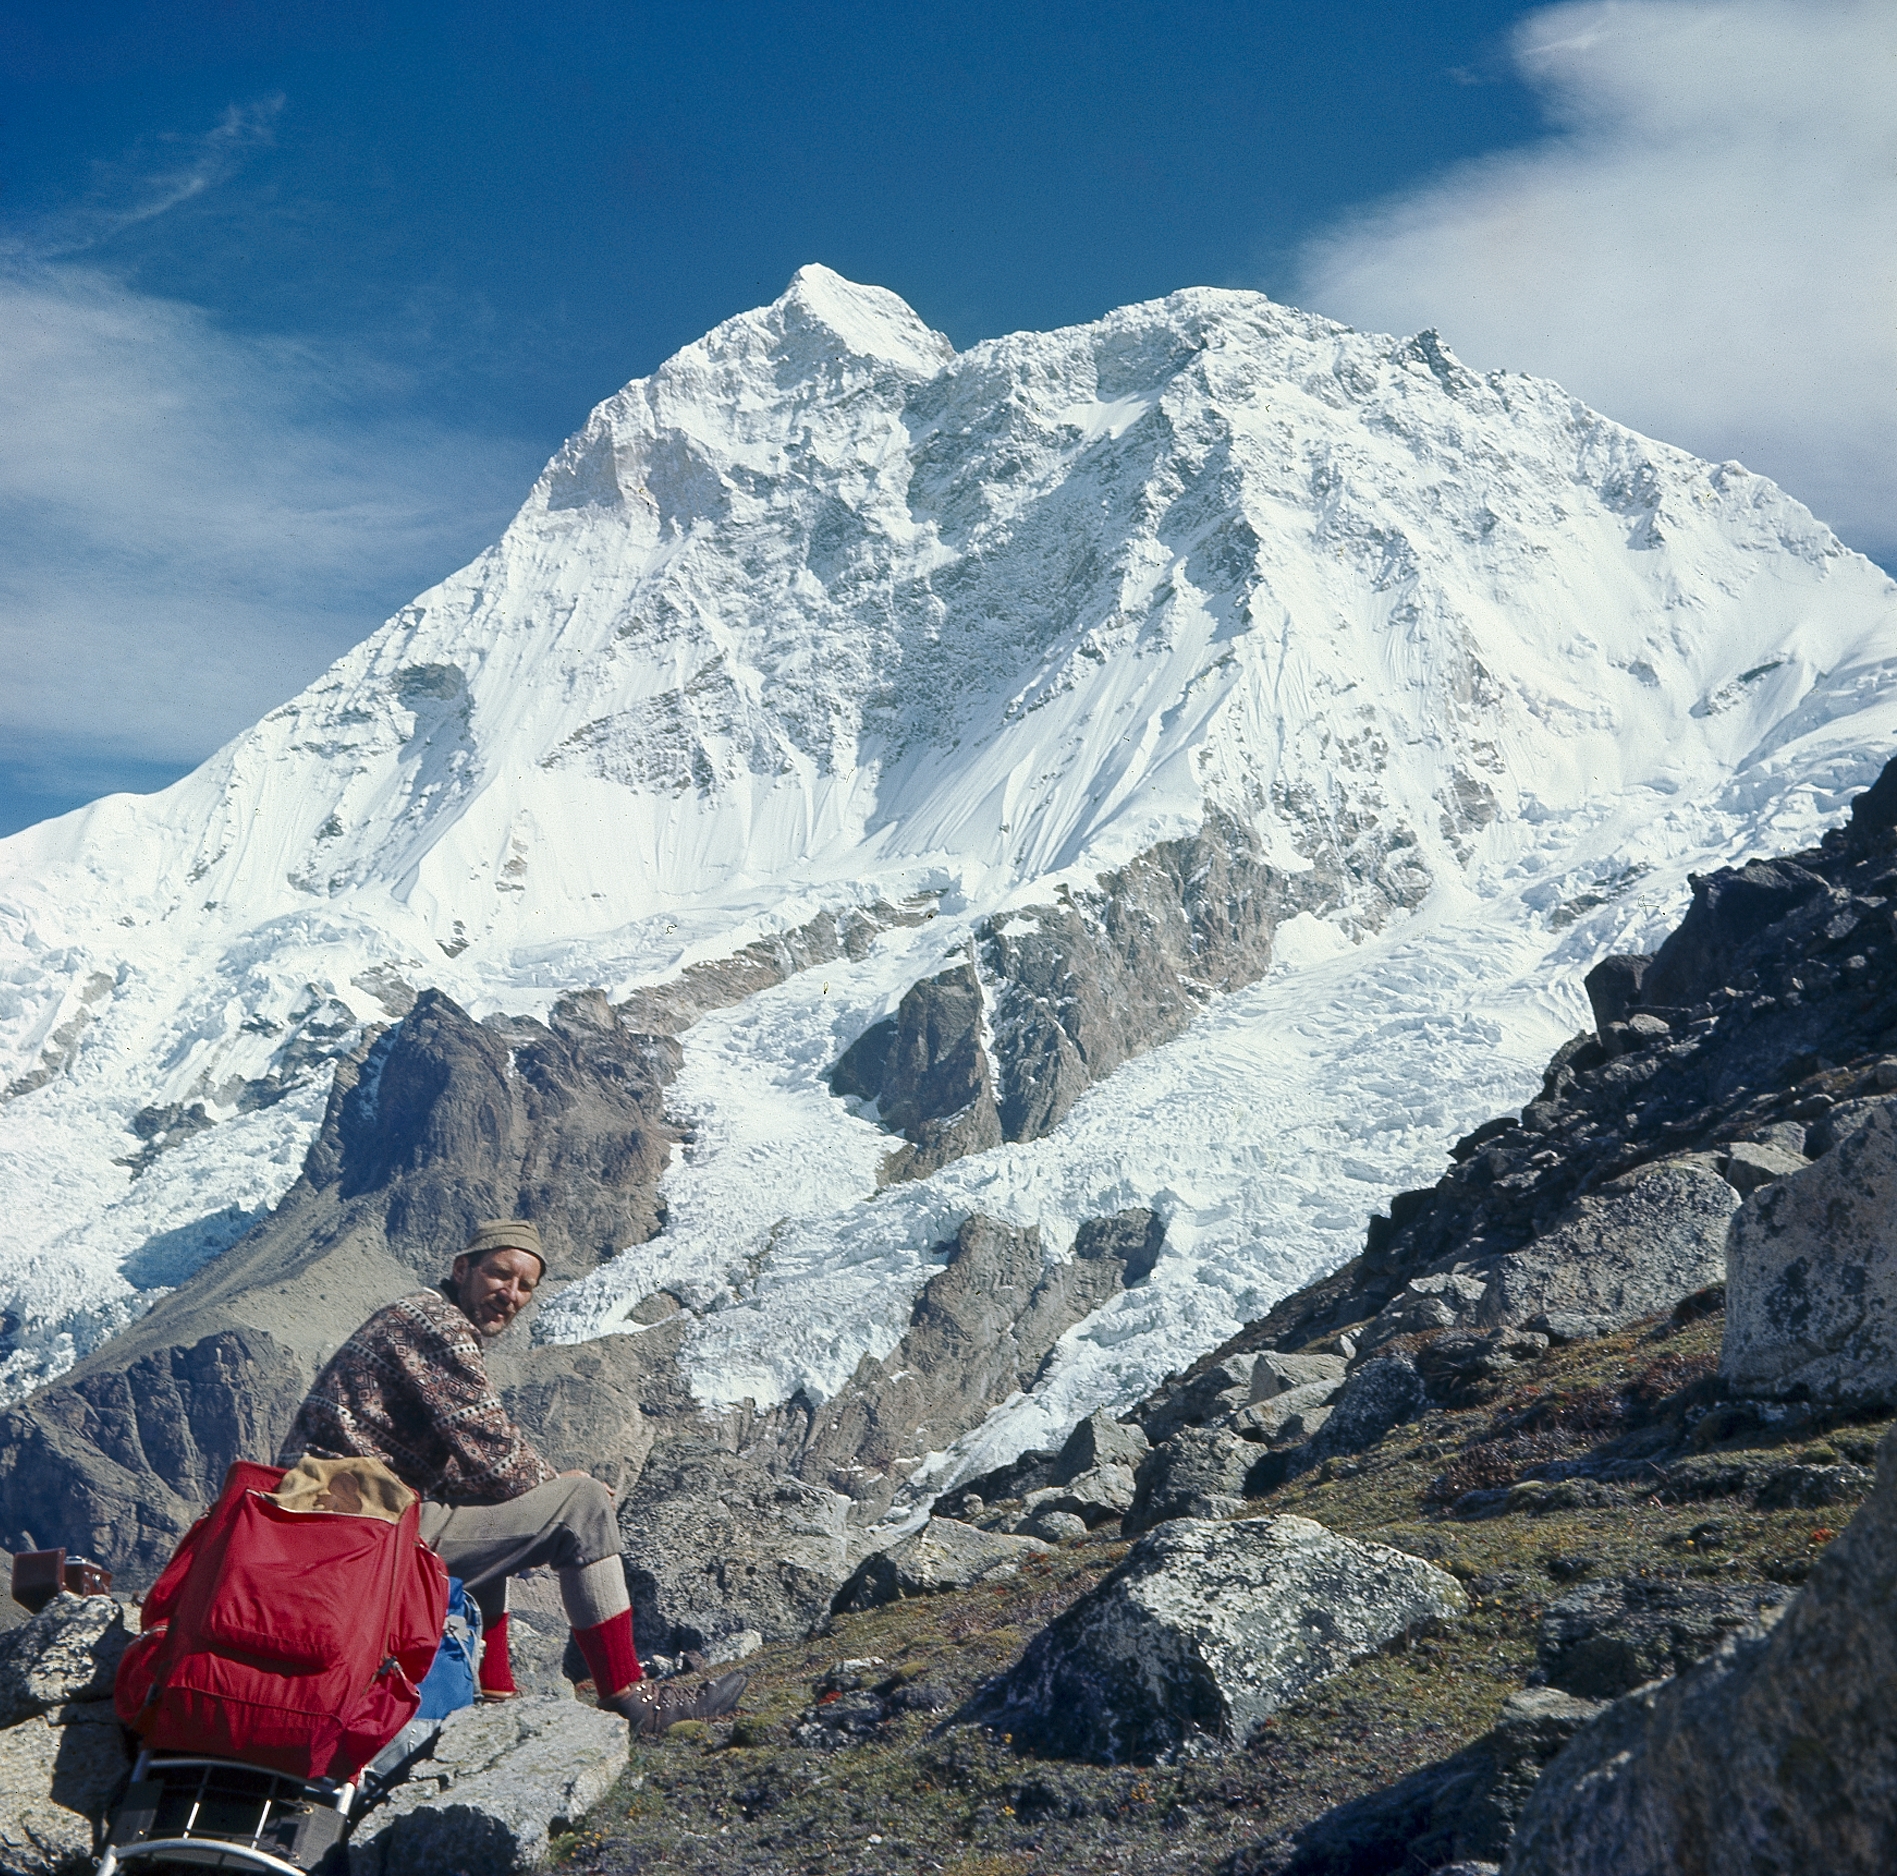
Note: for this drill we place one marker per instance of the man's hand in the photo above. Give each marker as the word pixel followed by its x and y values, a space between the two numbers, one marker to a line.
pixel 580 1472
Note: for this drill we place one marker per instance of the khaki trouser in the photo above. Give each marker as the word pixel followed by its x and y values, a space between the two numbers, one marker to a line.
pixel 567 1523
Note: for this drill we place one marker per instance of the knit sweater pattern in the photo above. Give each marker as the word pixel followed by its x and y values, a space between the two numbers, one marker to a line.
pixel 410 1388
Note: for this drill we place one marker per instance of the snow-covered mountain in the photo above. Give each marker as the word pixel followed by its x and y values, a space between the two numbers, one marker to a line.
pixel 825 615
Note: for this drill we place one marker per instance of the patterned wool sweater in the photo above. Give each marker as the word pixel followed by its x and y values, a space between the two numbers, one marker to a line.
pixel 410 1388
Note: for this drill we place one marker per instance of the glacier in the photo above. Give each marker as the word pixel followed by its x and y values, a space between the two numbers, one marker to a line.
pixel 824 614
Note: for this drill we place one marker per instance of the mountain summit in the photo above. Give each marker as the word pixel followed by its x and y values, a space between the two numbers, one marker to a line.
pixel 1195 755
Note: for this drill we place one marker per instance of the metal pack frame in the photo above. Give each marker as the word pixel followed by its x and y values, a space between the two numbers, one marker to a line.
pixel 224 1814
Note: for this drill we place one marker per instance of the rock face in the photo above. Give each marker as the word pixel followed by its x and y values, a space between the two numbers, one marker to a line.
pixel 1776 1755
pixel 1811 1291
pixel 1459 1813
pixel 1749 1044
pixel 981 1328
pixel 944 1554
pixel 1203 1631
pixel 444 1121
pixel 1631 1251
pixel 1063 993
pixel 502 1782
pixel 715 1544
pixel 69 1651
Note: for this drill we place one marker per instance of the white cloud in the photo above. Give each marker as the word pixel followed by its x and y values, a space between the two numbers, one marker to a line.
pixel 1705 246
pixel 192 525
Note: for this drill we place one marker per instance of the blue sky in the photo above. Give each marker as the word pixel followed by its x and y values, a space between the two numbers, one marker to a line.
pixel 295 301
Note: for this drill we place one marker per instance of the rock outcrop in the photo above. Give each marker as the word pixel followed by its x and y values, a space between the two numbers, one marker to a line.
pixel 1201 1472
pixel 1055 996
pixel 60 1773
pixel 501 1784
pixel 1605 1639
pixel 69 1651
pixel 1205 1630
pixel 1777 1755
pixel 1811 1289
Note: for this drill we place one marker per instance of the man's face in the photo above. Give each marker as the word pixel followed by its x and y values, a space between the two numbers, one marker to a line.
pixel 493 1290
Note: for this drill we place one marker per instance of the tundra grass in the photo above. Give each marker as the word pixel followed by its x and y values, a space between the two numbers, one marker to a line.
pixel 921 1796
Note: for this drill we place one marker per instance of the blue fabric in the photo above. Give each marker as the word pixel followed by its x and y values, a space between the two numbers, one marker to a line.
pixel 450 1684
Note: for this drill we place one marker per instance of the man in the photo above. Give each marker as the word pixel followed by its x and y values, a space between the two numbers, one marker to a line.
pixel 410 1388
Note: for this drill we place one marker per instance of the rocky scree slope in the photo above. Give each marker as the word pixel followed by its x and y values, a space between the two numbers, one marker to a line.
pixel 1145 655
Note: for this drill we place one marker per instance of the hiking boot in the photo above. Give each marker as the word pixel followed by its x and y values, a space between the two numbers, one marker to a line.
pixel 652 1706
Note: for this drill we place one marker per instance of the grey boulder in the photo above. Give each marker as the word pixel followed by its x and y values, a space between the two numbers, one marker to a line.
pixel 1273 1374
pixel 1750 1164
pixel 69 1651
pixel 1777 1756
pixel 1386 1391
pixel 1202 1632
pixel 1198 1472
pixel 503 1782
pixel 945 1554
pixel 714 1544
pixel 1054 1527
pixel 1100 1440
pixel 1811 1289
pixel 1295 1414
pixel 1094 1497
pixel 1624 1253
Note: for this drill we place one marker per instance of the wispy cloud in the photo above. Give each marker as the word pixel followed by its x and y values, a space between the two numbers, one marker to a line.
pixel 150 183
pixel 192 523
pixel 1702 246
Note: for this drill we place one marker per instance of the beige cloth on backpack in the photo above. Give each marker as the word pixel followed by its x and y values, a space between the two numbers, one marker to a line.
pixel 363 1488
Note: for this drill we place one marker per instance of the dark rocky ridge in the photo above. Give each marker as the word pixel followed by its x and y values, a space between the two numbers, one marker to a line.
pixel 1054 997
pixel 1781 982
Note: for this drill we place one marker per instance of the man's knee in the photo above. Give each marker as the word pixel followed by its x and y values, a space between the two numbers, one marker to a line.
pixel 587 1511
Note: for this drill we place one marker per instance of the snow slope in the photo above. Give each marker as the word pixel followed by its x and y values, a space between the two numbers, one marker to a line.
pixel 823 613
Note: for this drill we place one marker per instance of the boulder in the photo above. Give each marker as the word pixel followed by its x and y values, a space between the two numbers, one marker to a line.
pixel 715 1544
pixel 502 1783
pixel 1811 1288
pixel 943 1555
pixel 1183 1477
pixel 1750 1164
pixel 59 1774
pixel 1054 1527
pixel 1463 1807
pixel 1632 1250
pixel 1203 1631
pixel 1100 1440
pixel 1776 1755
pixel 1214 1394
pixel 1094 1497
pixel 1383 1393
pixel 1293 1415
pixel 1605 1639
pixel 1273 1374
pixel 69 1651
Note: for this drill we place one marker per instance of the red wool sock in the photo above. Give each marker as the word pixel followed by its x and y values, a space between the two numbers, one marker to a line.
pixel 610 1655
pixel 497 1669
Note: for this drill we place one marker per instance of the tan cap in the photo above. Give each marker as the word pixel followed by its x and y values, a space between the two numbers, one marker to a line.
pixel 507 1234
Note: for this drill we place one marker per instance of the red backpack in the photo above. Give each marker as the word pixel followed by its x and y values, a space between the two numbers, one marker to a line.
pixel 293 1640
